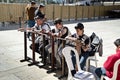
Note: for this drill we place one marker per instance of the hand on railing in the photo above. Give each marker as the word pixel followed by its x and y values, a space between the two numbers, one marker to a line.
pixel 21 29
pixel 71 38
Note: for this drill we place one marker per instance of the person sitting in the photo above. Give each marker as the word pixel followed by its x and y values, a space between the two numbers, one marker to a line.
pixel 85 46
pixel 108 66
pixel 60 31
pixel 83 49
pixel 42 27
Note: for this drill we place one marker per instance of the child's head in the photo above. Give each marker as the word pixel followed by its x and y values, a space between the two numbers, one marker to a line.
pixel 117 43
pixel 40 19
pixel 79 29
pixel 58 23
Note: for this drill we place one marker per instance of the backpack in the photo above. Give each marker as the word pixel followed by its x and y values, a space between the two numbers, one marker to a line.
pixel 96 44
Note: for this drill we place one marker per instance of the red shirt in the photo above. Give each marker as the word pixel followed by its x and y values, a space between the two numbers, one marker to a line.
pixel 109 65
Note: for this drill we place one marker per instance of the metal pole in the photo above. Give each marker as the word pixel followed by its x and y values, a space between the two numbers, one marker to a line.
pixel 20 22
pixel 25 46
pixel 53 52
pixel 33 46
pixel 43 54
pixel 52 56
pixel 34 62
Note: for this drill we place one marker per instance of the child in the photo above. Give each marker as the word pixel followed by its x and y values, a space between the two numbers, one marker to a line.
pixel 108 66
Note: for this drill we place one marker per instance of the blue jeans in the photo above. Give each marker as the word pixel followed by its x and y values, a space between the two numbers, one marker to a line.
pixel 100 71
pixel 83 57
pixel 30 23
pixel 73 57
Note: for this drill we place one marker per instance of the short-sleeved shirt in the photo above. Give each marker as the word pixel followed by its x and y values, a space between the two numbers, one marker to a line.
pixel 30 12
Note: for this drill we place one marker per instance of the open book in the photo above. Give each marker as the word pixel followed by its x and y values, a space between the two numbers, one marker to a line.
pixel 82 75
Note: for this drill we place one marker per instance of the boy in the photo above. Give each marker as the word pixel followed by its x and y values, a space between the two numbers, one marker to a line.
pixel 108 66
pixel 60 31
pixel 84 48
pixel 43 27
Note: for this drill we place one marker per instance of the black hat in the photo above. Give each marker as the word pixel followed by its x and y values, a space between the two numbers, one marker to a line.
pixel 117 42
pixel 33 2
pixel 57 20
pixel 79 26
pixel 41 5
pixel 42 16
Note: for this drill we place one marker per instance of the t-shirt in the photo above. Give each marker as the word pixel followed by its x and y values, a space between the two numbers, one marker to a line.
pixel 30 12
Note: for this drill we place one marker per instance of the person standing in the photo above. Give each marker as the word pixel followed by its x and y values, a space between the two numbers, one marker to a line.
pixel 39 10
pixel 30 10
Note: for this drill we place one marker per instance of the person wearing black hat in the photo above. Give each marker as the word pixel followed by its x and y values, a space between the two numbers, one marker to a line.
pixel 108 65
pixel 40 9
pixel 84 48
pixel 61 32
pixel 42 27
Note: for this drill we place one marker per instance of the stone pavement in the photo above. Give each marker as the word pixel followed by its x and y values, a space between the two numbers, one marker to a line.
pixel 12 50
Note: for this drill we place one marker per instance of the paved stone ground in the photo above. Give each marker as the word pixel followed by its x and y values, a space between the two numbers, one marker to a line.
pixel 11 50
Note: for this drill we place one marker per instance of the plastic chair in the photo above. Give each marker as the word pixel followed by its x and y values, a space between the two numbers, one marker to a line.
pixel 115 71
pixel 67 54
pixel 99 50
pixel 91 58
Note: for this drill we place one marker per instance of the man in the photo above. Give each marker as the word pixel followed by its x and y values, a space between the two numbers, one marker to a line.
pixel 39 10
pixel 30 10
pixel 108 66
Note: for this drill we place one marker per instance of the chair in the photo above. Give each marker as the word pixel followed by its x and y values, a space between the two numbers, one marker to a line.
pixel 93 58
pixel 67 54
pixel 115 71
pixel 96 41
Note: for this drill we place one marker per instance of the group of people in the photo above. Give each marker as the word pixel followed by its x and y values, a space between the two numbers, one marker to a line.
pixel 36 20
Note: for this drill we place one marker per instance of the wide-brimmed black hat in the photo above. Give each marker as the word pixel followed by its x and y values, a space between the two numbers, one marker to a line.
pixel 79 26
pixel 117 42
pixel 41 5
pixel 42 16
pixel 57 20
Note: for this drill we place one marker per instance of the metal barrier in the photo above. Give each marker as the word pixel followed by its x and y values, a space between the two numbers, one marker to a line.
pixel 34 62
pixel 26 58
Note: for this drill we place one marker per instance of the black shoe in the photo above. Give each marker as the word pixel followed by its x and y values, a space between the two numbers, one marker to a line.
pixel 104 79
pixel 41 57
